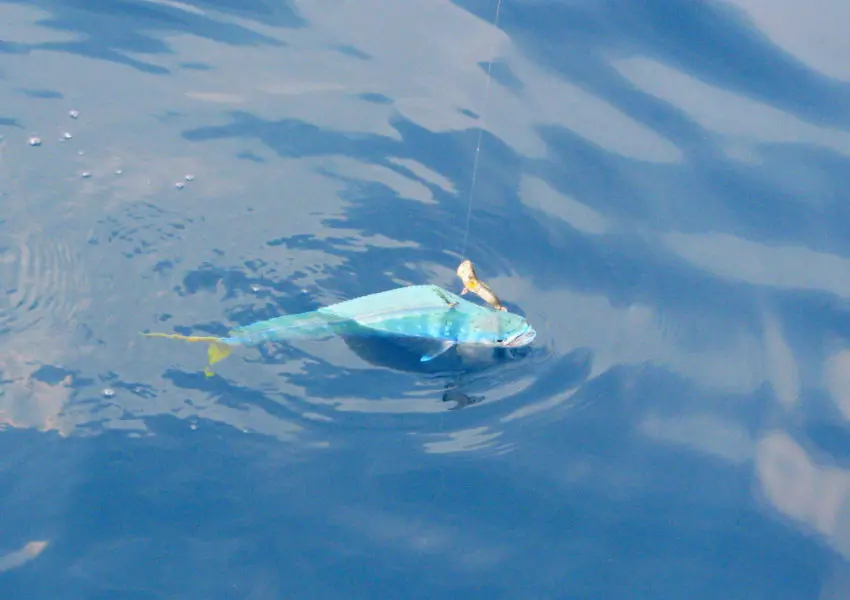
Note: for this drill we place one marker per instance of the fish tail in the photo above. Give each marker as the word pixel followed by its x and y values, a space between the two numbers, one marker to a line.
pixel 217 351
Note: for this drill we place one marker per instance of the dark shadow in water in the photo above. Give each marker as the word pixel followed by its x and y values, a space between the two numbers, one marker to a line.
pixel 11 48
pixel 113 29
pixel 502 74
pixel 710 40
pixel 376 98
pixel 352 52
pixel 229 394
pixel 43 94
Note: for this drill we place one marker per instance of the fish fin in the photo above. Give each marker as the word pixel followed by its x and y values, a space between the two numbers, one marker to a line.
pixel 444 346
pixel 217 351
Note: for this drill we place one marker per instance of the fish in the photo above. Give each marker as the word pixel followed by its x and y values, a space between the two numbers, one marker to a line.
pixel 426 313
pixel 471 283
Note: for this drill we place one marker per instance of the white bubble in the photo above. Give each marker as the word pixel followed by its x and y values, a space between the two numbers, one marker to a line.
pixel 85 174
pixel 108 392
pixel 190 177
pixel 35 141
pixel 66 136
pixel 118 171
pixel 179 185
pixel 73 114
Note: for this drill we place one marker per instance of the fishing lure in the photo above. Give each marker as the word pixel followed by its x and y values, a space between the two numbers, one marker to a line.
pixel 471 283
pixel 421 312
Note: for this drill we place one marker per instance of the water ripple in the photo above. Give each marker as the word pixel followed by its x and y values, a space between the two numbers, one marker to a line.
pixel 43 284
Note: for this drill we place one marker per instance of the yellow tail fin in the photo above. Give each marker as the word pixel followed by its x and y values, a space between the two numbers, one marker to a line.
pixel 217 351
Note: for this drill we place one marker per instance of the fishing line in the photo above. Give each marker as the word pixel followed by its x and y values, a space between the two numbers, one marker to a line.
pixel 441 427
pixel 480 134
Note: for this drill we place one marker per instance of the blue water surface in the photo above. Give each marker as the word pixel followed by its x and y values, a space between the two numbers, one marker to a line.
pixel 660 188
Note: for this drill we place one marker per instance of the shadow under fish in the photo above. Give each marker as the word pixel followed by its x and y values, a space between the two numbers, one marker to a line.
pixel 454 366
pixel 421 329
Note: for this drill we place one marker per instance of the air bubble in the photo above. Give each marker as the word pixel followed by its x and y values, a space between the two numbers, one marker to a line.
pixel 74 114
pixel 35 141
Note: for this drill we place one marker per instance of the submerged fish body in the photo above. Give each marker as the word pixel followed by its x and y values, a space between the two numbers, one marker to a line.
pixel 424 312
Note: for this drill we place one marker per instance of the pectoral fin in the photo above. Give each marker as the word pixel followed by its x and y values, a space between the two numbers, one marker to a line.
pixel 443 347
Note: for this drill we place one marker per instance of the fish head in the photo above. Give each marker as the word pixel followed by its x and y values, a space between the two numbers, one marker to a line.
pixel 520 334
pixel 505 330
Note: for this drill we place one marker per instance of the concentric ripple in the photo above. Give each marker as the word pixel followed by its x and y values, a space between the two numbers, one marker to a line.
pixel 41 283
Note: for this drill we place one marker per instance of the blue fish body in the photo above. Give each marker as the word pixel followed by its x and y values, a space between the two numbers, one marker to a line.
pixel 425 313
